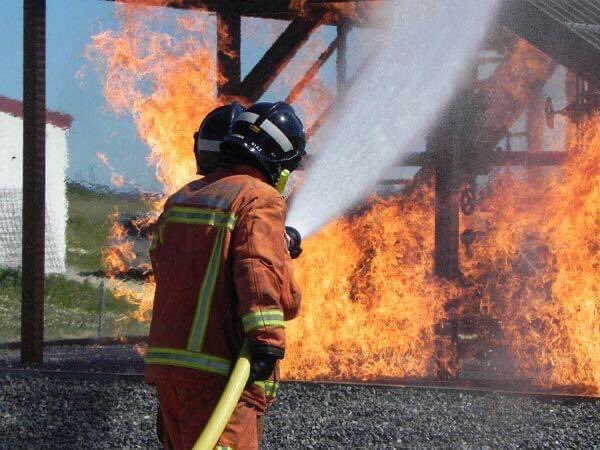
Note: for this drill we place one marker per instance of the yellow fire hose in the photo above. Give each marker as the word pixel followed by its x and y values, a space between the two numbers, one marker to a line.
pixel 227 403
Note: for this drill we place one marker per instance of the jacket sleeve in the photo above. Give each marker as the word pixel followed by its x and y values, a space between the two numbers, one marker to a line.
pixel 262 271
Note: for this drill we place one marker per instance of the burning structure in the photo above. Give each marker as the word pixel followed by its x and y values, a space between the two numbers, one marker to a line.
pixel 473 263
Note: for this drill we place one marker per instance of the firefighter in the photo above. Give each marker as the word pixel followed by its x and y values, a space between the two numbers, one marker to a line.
pixel 222 263
pixel 208 138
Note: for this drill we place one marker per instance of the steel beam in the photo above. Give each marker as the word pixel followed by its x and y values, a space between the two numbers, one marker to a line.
pixel 228 52
pixel 311 72
pixel 449 142
pixel 331 108
pixel 343 29
pixel 447 145
pixel 496 158
pixel 551 36
pixel 271 9
pixel 278 56
pixel 34 180
pixel 504 93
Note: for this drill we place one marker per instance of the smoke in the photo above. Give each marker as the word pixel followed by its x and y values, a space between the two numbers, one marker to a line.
pixel 421 59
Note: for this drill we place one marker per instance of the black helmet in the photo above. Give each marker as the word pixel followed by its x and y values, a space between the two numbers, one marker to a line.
pixel 270 135
pixel 209 136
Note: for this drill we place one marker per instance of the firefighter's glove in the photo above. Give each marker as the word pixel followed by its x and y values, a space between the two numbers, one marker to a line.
pixel 294 242
pixel 263 360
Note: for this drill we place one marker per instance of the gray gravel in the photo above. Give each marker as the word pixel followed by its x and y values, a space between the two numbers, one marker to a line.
pixel 65 412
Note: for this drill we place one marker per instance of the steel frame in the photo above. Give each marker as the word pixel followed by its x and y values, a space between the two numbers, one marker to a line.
pixel 34 180
pixel 444 152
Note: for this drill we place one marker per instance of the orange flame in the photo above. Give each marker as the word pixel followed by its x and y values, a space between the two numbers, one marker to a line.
pixel 117 257
pixel 179 73
pixel 371 302
pixel 538 267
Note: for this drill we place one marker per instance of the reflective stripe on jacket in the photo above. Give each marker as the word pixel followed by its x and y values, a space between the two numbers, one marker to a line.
pixel 222 274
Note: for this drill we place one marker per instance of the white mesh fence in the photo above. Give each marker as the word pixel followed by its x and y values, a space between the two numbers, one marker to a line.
pixel 11 204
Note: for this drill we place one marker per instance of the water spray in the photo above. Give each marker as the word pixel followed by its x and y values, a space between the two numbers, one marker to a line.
pixel 420 62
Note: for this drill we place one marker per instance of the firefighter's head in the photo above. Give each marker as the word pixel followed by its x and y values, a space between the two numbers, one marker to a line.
pixel 215 126
pixel 269 136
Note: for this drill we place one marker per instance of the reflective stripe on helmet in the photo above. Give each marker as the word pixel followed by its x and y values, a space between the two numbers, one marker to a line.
pixel 247 117
pixel 270 128
pixel 277 135
pixel 208 145
pixel 264 318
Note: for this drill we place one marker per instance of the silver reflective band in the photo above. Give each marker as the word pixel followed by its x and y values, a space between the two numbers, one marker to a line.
pixel 277 135
pixel 248 117
pixel 208 145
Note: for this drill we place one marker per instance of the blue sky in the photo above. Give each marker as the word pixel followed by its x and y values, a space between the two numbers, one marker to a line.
pixel 70 25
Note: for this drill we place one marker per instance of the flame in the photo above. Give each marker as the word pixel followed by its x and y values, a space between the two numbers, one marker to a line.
pixel 537 264
pixel 167 84
pixel 102 157
pixel 371 303
pixel 116 179
pixel 118 255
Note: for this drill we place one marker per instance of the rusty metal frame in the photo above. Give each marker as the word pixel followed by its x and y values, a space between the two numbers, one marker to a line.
pixel 445 158
pixel 278 56
pixel 34 180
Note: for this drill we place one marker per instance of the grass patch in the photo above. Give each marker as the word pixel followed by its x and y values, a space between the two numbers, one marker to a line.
pixel 71 310
pixel 88 224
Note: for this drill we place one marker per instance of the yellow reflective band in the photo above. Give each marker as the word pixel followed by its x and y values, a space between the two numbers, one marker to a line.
pixel 223 447
pixel 191 360
pixel 198 331
pixel 266 318
pixel 270 387
pixel 197 216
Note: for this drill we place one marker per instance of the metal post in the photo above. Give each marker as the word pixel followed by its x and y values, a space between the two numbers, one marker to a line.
pixel 342 37
pixel 101 292
pixel 535 118
pixel 447 184
pixel 535 127
pixel 228 52
pixel 34 174
pixel 449 144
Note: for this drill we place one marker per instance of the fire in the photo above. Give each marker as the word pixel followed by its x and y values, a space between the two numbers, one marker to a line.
pixel 167 84
pixel 116 179
pixel 537 265
pixel 119 254
pixel 371 302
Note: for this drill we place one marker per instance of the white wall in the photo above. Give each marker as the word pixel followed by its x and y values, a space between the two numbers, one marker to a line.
pixel 11 176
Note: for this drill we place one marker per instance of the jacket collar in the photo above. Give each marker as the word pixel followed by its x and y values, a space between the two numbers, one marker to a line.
pixel 243 169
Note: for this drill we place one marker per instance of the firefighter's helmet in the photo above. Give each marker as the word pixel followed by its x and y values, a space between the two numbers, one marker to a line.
pixel 207 140
pixel 269 135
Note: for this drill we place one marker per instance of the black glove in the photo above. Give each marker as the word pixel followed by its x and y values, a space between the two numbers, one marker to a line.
pixel 294 242
pixel 263 360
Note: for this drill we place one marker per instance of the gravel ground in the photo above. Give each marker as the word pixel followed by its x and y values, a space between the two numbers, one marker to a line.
pixel 65 412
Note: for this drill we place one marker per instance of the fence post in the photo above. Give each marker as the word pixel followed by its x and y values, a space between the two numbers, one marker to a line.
pixel 101 291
